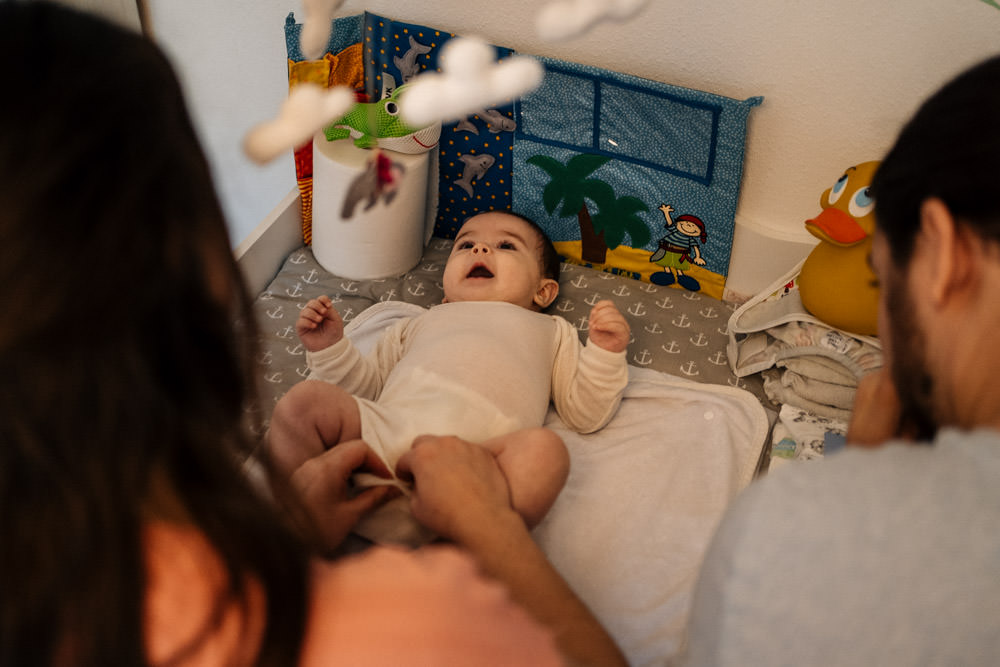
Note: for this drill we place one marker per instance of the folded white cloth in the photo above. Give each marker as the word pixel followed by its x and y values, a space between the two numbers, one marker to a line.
pixel 827 393
pixel 775 326
pixel 779 392
pixel 819 368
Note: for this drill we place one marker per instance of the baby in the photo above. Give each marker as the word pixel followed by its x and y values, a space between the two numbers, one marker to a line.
pixel 482 366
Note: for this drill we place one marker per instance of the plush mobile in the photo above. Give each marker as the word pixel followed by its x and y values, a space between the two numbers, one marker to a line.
pixel 836 282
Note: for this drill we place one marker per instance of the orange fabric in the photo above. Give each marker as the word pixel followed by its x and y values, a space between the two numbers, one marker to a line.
pixel 382 607
pixel 346 68
pixel 308 71
pixel 305 197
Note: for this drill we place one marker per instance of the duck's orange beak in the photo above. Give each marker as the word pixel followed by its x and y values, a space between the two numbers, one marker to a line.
pixel 834 226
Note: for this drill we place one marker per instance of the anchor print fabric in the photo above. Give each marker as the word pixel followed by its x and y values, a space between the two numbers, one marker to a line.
pixel 676 332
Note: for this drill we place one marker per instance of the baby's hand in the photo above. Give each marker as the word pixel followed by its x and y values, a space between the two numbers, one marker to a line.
pixel 319 325
pixel 608 328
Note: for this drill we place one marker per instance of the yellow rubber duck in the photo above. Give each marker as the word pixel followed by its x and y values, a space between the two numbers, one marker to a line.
pixel 836 282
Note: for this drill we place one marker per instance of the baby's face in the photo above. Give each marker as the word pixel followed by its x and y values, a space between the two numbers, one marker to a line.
pixel 495 258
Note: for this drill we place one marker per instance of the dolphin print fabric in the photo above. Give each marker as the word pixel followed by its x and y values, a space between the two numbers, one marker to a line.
pixel 475 153
pixel 626 175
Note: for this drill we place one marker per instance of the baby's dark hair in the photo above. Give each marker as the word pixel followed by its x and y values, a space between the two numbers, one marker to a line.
pixel 550 260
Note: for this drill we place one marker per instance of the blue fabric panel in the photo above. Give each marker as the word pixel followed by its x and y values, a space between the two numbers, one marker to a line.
pixel 645 139
pixel 600 112
pixel 665 145
pixel 561 111
pixel 386 39
pixel 345 31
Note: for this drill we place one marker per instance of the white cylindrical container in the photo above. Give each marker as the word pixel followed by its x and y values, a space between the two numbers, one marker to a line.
pixel 369 220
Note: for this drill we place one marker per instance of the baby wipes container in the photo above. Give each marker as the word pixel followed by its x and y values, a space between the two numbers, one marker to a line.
pixel 371 211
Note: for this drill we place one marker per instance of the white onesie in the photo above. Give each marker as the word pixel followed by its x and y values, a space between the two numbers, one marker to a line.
pixel 475 370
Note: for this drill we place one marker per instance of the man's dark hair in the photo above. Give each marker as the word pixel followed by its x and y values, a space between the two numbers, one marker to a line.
pixel 950 150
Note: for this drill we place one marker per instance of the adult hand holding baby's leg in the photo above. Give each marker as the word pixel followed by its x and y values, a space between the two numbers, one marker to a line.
pixel 459 490
pixel 323 487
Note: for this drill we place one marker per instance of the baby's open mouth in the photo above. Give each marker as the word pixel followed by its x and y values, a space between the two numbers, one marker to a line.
pixel 480 271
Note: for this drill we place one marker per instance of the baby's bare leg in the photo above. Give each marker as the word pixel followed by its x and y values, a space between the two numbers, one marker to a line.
pixel 536 464
pixel 310 419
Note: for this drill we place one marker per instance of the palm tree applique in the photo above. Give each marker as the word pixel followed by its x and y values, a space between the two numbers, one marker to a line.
pixel 615 217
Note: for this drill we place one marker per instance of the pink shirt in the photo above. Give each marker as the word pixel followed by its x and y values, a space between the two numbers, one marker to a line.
pixel 382 607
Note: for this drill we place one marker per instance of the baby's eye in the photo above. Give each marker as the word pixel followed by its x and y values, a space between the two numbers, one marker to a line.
pixel 507 245
pixel 465 245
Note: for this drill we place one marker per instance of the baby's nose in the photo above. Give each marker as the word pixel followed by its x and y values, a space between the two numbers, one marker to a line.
pixel 481 247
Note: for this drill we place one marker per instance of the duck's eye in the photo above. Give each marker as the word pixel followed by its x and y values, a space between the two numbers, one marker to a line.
pixel 391 108
pixel 861 203
pixel 837 189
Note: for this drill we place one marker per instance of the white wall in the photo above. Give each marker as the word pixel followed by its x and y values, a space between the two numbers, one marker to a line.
pixel 230 56
pixel 123 12
pixel 839 78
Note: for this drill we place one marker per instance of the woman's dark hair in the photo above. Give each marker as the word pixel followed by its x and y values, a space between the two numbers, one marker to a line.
pixel 950 149
pixel 122 372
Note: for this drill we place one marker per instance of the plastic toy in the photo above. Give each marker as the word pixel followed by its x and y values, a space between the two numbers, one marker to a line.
pixel 836 282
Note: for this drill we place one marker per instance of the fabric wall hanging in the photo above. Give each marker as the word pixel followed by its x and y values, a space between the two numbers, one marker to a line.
pixel 625 174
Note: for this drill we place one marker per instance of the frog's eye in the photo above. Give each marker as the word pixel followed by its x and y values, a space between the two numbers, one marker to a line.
pixel 391 108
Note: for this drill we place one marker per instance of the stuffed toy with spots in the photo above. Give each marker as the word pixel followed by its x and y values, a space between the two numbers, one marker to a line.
pixel 836 282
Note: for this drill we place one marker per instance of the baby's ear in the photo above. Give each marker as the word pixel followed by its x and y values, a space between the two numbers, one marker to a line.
pixel 547 292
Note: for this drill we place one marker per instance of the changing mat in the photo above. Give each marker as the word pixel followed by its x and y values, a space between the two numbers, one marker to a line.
pixel 644 495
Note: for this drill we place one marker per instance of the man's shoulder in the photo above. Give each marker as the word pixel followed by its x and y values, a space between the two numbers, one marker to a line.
pixel 901 534
pixel 844 494
pixel 873 506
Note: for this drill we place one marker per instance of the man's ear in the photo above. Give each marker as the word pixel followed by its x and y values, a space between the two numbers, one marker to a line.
pixel 948 254
pixel 546 293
